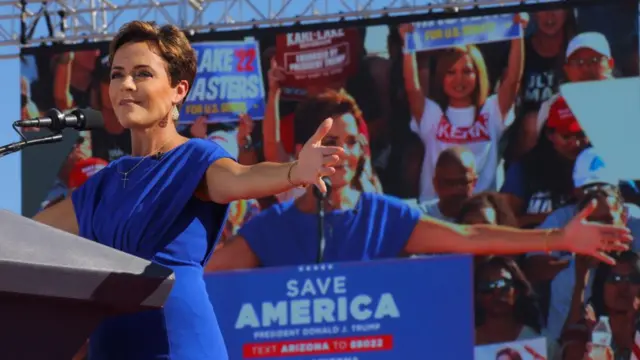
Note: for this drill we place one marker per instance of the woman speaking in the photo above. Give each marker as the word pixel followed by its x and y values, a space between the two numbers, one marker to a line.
pixel 167 203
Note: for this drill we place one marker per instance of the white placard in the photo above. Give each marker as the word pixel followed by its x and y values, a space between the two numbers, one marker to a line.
pixel 530 349
pixel 609 113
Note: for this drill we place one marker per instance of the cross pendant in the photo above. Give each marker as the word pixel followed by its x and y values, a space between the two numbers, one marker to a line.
pixel 124 181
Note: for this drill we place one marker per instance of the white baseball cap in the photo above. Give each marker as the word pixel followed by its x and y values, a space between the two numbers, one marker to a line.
pixel 590 40
pixel 591 169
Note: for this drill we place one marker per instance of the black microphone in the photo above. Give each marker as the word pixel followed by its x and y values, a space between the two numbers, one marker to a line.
pixel 56 120
pixel 320 196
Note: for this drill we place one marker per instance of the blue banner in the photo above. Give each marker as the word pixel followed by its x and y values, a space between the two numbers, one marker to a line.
pixel 437 34
pixel 227 84
pixel 378 310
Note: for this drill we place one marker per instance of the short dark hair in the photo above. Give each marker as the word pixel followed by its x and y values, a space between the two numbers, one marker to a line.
pixel 602 273
pixel 311 112
pixel 527 308
pixel 168 41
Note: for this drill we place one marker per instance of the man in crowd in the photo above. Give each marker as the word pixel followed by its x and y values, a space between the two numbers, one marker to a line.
pixel 591 178
pixel 588 58
pixel 454 181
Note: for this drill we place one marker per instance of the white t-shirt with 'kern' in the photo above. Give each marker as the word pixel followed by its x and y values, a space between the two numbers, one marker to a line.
pixel 458 128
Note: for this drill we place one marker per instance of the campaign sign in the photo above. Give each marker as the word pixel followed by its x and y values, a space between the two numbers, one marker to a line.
pixel 228 83
pixel 438 34
pixel 322 58
pixel 375 310
pixel 530 349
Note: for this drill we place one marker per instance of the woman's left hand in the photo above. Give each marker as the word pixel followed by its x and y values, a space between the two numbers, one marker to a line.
pixel 522 19
pixel 315 160
pixel 587 238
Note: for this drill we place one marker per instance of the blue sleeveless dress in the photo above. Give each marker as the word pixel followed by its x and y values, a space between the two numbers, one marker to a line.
pixel 158 218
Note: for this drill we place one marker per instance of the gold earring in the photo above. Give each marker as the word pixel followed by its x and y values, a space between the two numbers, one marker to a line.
pixel 175 113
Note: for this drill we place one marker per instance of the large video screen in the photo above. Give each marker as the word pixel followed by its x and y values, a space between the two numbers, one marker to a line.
pixel 476 59
pixel 461 117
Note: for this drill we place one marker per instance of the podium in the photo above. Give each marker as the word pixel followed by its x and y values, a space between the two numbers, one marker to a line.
pixel 55 288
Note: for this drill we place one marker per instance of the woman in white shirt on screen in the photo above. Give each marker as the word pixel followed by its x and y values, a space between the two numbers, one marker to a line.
pixel 461 112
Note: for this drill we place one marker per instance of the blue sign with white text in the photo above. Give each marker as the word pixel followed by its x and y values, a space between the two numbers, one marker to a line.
pixel 437 34
pixel 228 83
pixel 387 309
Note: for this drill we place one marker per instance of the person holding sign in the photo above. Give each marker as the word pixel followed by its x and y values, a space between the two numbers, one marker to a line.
pixel 168 201
pixel 365 226
pixel 460 110
pixel 506 308
pixel 610 291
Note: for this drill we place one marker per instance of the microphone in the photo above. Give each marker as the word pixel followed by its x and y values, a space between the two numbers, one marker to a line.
pixel 322 241
pixel 56 120
pixel 318 194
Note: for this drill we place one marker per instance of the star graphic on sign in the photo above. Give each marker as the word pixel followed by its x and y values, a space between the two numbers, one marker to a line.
pixel 308 268
pixel 301 268
pixel 329 267
pixel 315 268
pixel 323 267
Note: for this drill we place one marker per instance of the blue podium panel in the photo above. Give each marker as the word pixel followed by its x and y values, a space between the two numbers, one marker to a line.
pixel 389 309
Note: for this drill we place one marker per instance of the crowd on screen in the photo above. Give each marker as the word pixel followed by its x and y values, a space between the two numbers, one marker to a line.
pixel 472 134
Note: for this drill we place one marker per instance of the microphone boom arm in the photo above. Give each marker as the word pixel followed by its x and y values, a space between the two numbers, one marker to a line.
pixel 19 145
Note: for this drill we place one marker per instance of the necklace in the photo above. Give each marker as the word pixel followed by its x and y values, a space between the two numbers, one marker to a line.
pixel 125 174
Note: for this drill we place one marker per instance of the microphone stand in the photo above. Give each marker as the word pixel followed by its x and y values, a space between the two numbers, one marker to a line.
pixel 322 240
pixel 19 145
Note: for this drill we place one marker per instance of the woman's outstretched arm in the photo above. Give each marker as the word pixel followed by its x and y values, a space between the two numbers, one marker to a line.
pixel 579 236
pixel 226 180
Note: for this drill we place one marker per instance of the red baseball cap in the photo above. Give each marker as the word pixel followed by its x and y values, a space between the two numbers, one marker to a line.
pixel 83 169
pixel 561 118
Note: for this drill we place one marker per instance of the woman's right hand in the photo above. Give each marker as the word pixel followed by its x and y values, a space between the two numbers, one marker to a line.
pixel 276 76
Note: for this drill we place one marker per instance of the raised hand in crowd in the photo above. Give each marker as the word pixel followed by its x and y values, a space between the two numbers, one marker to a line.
pixel 199 128
pixel 246 149
pixel 28 109
pixel 64 57
pixel 405 29
pixel 245 128
pixel 275 76
pixel 578 327
pixel 272 148
pixel 522 19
